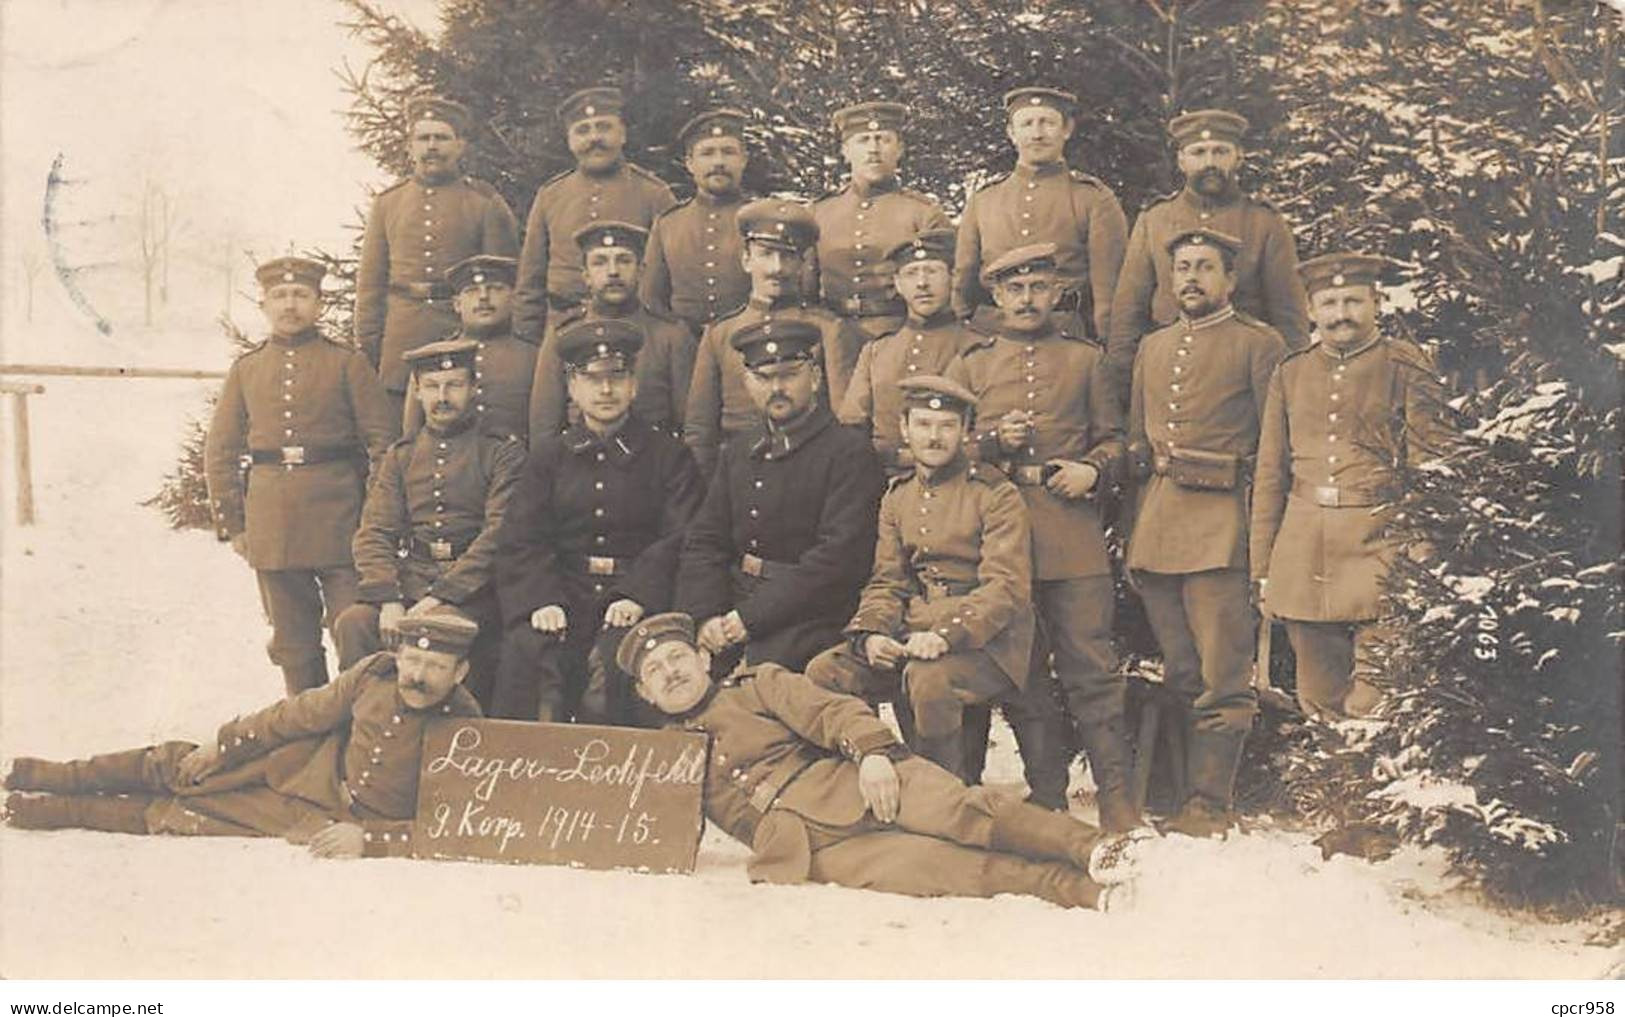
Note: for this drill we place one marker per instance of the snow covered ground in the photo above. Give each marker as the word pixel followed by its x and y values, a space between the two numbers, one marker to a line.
pixel 115 631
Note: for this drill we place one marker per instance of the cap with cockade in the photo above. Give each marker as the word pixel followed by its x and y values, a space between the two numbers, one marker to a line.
pixel 776 340
pixel 1064 103
pixel 1207 125
pixel 1203 235
pixel 926 245
pixel 482 268
pixel 441 631
pixel 1019 261
pixel 934 392
pixel 599 101
pixel 442 355
pixel 1348 269
pixel 869 116
pixel 291 270
pixel 713 123
pixel 429 106
pixel 605 343
pixel 610 233
pixel 650 633
pixel 780 222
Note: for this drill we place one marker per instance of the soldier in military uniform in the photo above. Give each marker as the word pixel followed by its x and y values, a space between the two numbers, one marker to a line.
pixel 777 236
pixel 417 230
pixel 775 557
pixel 1049 417
pixel 872 214
pixel 946 619
pixel 307 412
pixel 502 363
pixel 429 526
pixel 335 767
pixel 928 341
pixel 591 536
pixel 1199 387
pixel 603 186
pixel 691 268
pixel 1267 286
pixel 1043 200
pixel 1339 417
pixel 822 792
pixel 609 256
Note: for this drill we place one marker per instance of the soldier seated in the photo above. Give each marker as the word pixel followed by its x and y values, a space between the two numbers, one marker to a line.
pixel 946 619
pixel 821 791
pixel 334 767
pixel 428 527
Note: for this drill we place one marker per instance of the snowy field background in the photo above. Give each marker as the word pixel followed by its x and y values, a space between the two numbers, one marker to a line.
pixel 116 631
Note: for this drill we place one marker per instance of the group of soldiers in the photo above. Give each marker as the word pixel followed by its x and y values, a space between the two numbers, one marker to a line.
pixel 831 455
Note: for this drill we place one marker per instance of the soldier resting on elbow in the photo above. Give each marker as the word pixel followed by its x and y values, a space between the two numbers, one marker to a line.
pixel 820 789
pixel 335 767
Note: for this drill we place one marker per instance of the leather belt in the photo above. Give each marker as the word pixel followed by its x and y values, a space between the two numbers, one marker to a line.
pixel 597 565
pixel 1331 496
pixel 422 290
pixel 303 455
pixel 441 548
pixel 946 587
pixel 1030 475
pixel 761 568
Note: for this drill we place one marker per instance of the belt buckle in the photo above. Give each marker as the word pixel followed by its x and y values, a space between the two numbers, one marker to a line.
pixel 440 550
pixel 1029 475
pixel 1326 497
pixel 751 565
pixel 293 455
pixel 599 566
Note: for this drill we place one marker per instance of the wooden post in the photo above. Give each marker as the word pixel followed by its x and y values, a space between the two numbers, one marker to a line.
pixel 20 446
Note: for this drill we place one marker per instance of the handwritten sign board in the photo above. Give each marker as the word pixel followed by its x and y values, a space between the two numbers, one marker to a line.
pixel 560 794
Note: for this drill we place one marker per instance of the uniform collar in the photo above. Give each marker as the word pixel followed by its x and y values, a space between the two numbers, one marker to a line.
pixel 1203 203
pixel 623 311
pixel 694 712
pixel 1046 332
pixel 702 197
pixel 948 472
pixel 875 190
pixel 783 303
pixel 1220 316
pixel 1048 169
pixel 779 443
pixel 298 338
pixel 941 319
pixel 621 446
pixel 617 168
pixel 1335 354
pixel 458 427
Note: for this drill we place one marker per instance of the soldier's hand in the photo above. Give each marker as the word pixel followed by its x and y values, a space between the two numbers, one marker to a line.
pixel 1072 480
pixel 623 613
pixel 926 645
pixel 239 543
pixel 389 622
pixel 877 782
pixel 549 620
pixel 711 636
pixel 198 764
pixel 884 652
pixel 733 627
pixel 341 840
pixel 425 606
pixel 1014 429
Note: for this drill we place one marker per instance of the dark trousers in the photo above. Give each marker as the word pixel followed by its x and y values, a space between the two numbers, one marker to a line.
pixel 299 602
pixel 356 634
pixel 1075 626
pixel 1204 623
pixel 549 678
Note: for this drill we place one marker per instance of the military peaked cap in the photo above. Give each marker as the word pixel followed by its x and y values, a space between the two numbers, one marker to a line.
pixel 291 270
pixel 482 268
pixel 650 633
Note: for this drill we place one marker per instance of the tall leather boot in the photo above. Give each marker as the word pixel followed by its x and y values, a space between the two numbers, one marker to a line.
pixel 974 736
pixel 1211 760
pixel 307 674
pixel 1044 758
pixel 1051 881
pixel 144 769
pixel 113 813
pixel 1107 748
pixel 1032 832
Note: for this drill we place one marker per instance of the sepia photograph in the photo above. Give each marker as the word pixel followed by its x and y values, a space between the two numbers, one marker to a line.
pixel 1109 490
